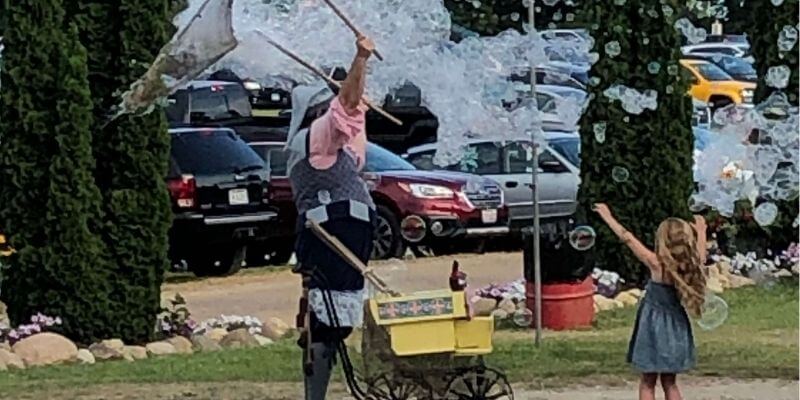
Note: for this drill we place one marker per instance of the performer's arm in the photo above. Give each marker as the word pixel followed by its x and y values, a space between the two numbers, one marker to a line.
pixel 641 251
pixel 353 85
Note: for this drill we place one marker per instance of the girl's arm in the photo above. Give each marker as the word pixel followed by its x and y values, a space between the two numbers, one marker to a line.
pixel 700 227
pixel 641 252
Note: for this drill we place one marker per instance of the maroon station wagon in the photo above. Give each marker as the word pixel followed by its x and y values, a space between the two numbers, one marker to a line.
pixel 414 207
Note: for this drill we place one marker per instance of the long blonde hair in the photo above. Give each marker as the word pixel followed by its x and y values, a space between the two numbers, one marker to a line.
pixel 678 255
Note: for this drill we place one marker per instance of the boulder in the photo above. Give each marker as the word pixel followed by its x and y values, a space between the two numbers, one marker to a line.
pixel 738 281
pixel 204 343
pixel 3 367
pixel 159 349
pixel 5 346
pixel 237 339
pixel 627 299
pixel 263 341
pixel 4 314
pixel 45 349
pixel 638 293
pixel 115 344
pixel 85 357
pixel 724 267
pixel 782 273
pixel 216 334
pixel 484 306
pixel 181 344
pixel 11 360
pixel 508 306
pixel 275 329
pixel 714 285
pixel 499 314
pixel 604 303
pixel 103 351
pixel 796 269
pixel 134 353
pixel 725 281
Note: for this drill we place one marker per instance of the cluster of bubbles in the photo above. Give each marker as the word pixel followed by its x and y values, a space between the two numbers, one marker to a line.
pixel 778 77
pixel 467 85
pixel 693 34
pixel 737 165
pixel 633 101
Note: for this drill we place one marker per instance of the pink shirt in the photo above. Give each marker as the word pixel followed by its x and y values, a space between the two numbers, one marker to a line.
pixel 336 130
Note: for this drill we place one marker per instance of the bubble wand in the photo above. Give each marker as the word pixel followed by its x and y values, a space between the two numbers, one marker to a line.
pixel 349 24
pixel 328 79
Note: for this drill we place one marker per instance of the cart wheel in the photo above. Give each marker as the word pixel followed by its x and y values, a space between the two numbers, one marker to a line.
pixel 479 383
pixel 388 387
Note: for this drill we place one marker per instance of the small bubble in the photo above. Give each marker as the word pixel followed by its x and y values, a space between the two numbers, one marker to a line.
pixel 599 129
pixel 766 213
pixel 582 238
pixel 653 67
pixel 620 174
pixel 523 318
pixel 613 48
pixel 672 70
pixel 515 16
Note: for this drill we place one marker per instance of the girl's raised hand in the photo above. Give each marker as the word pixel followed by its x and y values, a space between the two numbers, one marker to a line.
pixel 602 210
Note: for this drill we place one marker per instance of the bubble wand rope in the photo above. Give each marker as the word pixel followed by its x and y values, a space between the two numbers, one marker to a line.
pixel 349 24
pixel 330 81
pixel 334 244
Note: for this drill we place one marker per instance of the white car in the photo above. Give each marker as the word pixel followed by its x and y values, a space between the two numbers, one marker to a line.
pixel 731 49
pixel 509 164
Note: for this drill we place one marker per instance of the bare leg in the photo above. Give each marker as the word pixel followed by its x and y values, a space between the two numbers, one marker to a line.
pixel 669 382
pixel 647 387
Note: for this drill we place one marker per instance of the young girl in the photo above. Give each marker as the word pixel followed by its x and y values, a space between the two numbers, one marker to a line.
pixel 662 344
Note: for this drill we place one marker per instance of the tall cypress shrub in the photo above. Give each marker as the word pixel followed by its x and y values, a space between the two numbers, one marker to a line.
pixel 48 196
pixel 655 147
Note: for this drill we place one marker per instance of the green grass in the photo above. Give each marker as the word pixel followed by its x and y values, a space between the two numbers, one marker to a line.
pixel 759 340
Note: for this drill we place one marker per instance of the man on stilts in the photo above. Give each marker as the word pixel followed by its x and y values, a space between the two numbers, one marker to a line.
pixel 327 149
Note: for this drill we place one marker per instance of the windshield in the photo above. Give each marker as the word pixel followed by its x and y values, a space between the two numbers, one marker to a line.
pixel 737 66
pixel 569 148
pixel 210 152
pixel 712 72
pixel 380 159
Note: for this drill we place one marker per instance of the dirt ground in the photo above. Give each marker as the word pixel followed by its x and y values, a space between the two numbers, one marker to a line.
pixel 263 293
pixel 695 389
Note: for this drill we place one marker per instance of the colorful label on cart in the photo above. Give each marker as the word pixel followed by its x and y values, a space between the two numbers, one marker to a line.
pixel 415 308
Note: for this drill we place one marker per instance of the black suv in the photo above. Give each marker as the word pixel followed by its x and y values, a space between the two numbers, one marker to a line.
pixel 219 190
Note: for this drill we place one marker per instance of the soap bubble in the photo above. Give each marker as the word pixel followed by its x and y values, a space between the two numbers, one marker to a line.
pixel 765 213
pixel 613 48
pixel 523 318
pixel 620 174
pixel 787 38
pixel 653 67
pixel 776 3
pixel 582 238
pixel 713 313
pixel 515 16
pixel 599 129
pixel 632 100
pixel 693 34
pixel 550 2
pixel 778 77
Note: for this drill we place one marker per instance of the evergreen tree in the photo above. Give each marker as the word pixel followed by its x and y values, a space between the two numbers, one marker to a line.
pixel 50 201
pixel 493 17
pixel 654 147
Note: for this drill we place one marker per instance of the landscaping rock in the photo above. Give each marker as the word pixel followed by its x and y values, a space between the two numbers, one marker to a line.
pixel 5 346
pixel 45 349
pixel 508 306
pixel 782 273
pixel 4 314
pixel 604 303
pixel 237 339
pixel 263 341
pixel 484 306
pixel 796 269
pixel 627 299
pixel 204 343
pixel 182 345
pixel 134 353
pixel 216 334
pixel 115 344
pixel 11 360
pixel 3 367
pixel 714 285
pixel 638 293
pixel 85 357
pixel 499 314
pixel 738 281
pixel 103 351
pixel 275 329
pixel 160 349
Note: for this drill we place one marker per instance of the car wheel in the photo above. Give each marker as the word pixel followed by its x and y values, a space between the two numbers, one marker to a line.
pixel 387 242
pixel 227 261
pixel 281 255
pixel 272 253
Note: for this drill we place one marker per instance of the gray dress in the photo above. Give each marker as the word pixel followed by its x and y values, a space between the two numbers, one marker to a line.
pixel 662 339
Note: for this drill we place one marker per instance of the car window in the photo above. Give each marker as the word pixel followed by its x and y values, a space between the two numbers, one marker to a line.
pixel 207 152
pixel 519 159
pixel 276 158
pixel 737 66
pixel 213 102
pixel 722 50
pixel 481 159
pixel 422 160
pixel 712 72
pixel 546 103
pixel 380 159
pixel 688 75
pixel 569 148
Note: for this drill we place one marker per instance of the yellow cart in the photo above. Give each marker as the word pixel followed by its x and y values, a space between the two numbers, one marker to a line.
pixel 424 346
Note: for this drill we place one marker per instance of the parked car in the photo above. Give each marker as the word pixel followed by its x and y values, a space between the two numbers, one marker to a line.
pixel 736 67
pixel 414 207
pixel 566 34
pixel 736 50
pixel 219 189
pixel 710 84
pixel 208 101
pixel 509 164
pixel 5 248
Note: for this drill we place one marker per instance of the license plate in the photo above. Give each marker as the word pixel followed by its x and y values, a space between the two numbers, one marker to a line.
pixel 238 197
pixel 489 216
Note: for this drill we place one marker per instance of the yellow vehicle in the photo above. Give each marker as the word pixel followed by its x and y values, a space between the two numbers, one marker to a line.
pixel 711 85
pixel 5 248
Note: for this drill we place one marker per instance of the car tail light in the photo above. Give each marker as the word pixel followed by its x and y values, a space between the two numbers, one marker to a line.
pixel 183 190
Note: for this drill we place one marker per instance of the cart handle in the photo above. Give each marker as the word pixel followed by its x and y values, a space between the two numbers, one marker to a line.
pixel 334 244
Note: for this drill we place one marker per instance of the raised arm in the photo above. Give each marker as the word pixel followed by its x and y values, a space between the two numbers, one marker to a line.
pixel 700 227
pixel 641 251
pixel 353 85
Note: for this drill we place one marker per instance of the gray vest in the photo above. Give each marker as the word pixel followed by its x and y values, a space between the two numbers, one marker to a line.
pixel 315 190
